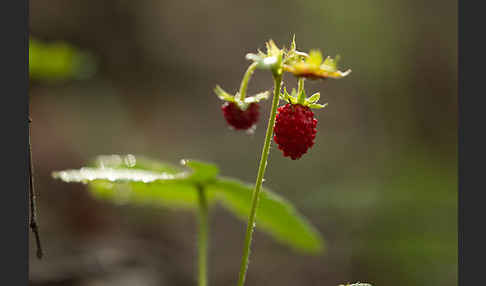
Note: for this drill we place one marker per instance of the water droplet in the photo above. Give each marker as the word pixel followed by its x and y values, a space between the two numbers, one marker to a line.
pixel 130 160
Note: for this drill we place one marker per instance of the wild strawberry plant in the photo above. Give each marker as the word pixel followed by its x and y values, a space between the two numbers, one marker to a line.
pixel 197 185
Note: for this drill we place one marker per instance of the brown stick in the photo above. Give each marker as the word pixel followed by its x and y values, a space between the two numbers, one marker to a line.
pixel 33 214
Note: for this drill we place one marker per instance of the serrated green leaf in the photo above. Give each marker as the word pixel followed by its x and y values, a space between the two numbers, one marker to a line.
pixel 275 215
pixel 317 106
pixel 314 98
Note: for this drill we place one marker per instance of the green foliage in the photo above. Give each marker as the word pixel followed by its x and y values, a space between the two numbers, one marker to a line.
pixel 142 181
pixel 58 61
pixel 170 194
pixel 203 173
pixel 275 215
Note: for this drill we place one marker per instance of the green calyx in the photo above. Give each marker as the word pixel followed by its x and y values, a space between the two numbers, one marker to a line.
pixel 242 103
pixel 299 97
pixel 271 60
pixel 240 97
pixel 292 55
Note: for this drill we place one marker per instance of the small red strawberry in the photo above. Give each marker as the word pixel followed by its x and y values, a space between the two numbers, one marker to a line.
pixel 295 130
pixel 241 119
pixel 295 125
pixel 241 113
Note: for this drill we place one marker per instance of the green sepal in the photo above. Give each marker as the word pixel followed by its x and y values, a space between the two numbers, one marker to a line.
pixel 257 97
pixel 284 95
pixel 301 96
pixel 223 95
pixel 293 98
pixel 290 98
pixel 330 64
pixel 243 105
pixel 314 98
pixel 316 105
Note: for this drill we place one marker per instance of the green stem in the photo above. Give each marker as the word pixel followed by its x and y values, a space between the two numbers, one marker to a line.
pixel 258 186
pixel 245 80
pixel 301 94
pixel 203 237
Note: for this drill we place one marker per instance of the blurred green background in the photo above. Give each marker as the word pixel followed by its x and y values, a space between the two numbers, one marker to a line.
pixel 380 183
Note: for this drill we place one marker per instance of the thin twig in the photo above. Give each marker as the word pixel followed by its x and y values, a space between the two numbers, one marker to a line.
pixel 33 207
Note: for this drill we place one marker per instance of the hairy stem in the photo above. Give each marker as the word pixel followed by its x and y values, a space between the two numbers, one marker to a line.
pixel 258 186
pixel 202 242
pixel 245 80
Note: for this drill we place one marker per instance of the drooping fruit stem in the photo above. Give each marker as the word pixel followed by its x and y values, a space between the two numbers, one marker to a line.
pixel 245 80
pixel 202 242
pixel 258 186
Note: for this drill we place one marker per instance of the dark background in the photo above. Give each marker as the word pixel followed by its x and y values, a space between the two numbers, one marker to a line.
pixel 380 183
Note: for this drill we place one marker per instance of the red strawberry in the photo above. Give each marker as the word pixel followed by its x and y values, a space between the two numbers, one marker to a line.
pixel 295 130
pixel 240 119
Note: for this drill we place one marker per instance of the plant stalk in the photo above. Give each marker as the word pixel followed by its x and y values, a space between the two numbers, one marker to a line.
pixel 202 242
pixel 245 80
pixel 258 186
